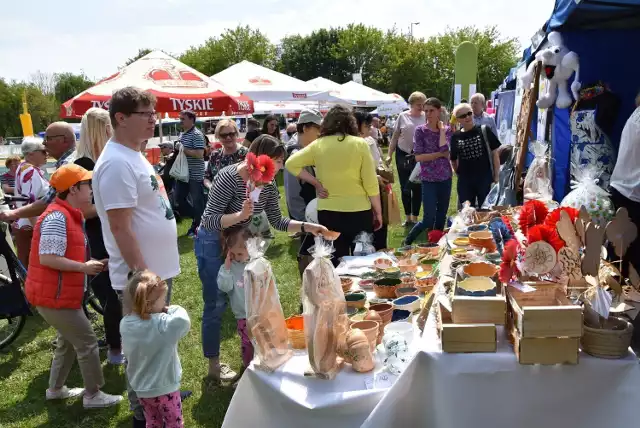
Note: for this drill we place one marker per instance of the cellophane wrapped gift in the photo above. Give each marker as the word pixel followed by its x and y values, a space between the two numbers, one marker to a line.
pixel 468 214
pixel 265 320
pixel 537 182
pixel 364 244
pixel 587 193
pixel 325 319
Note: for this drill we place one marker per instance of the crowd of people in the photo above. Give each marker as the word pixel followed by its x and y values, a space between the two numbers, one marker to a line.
pixel 105 187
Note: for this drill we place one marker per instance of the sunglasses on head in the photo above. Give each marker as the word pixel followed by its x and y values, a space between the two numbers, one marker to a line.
pixel 464 115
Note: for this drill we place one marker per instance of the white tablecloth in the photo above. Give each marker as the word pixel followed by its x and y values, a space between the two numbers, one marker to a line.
pixel 445 391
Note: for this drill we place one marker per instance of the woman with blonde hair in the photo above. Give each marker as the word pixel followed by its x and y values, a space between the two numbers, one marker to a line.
pixel 230 153
pixel 402 146
pixel 95 131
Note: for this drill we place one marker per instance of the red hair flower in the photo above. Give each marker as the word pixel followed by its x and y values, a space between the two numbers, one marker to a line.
pixel 542 232
pixel 532 213
pixel 261 168
pixel 554 216
pixel 508 268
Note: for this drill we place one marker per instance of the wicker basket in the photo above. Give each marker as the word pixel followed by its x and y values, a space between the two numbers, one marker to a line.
pixel 610 342
pixel 295 329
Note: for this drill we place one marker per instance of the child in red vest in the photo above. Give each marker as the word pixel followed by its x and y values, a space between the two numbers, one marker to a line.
pixel 56 281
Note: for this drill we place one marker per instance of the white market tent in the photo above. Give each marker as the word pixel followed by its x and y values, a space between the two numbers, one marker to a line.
pixel 263 84
pixel 361 95
pixel 324 84
pixel 390 109
pixel 285 108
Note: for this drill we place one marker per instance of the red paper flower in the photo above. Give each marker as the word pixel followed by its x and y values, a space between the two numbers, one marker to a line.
pixel 532 213
pixel 554 216
pixel 507 223
pixel 434 236
pixel 508 268
pixel 542 232
pixel 261 168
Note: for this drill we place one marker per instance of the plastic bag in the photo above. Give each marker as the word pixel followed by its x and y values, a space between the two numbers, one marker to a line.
pixel 587 193
pixel 265 320
pixel 537 182
pixel 414 177
pixel 468 214
pixel 364 244
pixel 492 198
pixel 325 319
pixel 180 168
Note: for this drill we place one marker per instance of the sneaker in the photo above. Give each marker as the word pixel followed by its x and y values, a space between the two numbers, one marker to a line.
pixel 225 375
pixel 185 394
pixel 116 359
pixel 100 400
pixel 63 393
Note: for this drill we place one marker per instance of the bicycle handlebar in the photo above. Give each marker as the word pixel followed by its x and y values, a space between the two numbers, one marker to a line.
pixel 10 199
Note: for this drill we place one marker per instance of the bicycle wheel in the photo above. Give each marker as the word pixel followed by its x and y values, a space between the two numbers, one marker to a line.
pixel 93 301
pixel 10 329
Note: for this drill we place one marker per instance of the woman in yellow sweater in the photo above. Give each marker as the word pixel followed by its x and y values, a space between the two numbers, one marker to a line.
pixel 345 179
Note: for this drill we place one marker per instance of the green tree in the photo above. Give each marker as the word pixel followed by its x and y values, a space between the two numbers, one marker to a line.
pixel 362 47
pixel 44 109
pixel 68 85
pixel 141 53
pixel 233 46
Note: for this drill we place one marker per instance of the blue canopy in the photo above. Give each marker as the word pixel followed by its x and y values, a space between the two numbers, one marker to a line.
pixel 594 14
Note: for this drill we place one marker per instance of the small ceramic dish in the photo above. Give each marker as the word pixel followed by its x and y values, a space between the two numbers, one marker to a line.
pixel 331 235
pixel 477 228
pixel 461 242
pixel 408 265
pixel 429 249
pixel 407 281
pixel 407 303
pixel 356 299
pixel 407 250
pixel 346 284
pixel 392 272
pixel 463 257
pixel 477 286
pixel 382 264
pixel 365 283
pixel 400 315
pixel 384 310
pixel 480 269
pixel 386 288
pixel 455 251
pixel 406 291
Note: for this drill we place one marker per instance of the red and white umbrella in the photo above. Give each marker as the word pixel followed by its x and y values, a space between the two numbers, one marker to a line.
pixel 176 86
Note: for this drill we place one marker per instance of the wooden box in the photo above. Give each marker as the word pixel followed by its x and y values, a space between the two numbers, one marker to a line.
pixel 545 313
pixel 545 350
pixel 479 310
pixel 464 338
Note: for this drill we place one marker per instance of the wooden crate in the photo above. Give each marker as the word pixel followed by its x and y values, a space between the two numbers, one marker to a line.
pixel 545 313
pixel 545 350
pixel 464 338
pixel 479 310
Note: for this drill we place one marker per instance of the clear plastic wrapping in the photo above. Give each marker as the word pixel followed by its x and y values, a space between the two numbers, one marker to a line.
pixel 265 319
pixel 364 244
pixel 587 193
pixel 537 182
pixel 325 319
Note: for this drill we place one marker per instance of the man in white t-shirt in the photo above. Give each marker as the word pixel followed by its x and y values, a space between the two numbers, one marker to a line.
pixel 138 223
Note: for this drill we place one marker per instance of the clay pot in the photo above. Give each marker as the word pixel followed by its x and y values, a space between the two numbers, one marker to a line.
pixel 346 284
pixel 480 269
pixel 482 239
pixel 406 291
pixel 386 288
pixel 429 249
pixel 374 316
pixel 356 299
pixel 408 265
pixel 382 264
pixel 359 352
pixel 384 310
pixel 371 329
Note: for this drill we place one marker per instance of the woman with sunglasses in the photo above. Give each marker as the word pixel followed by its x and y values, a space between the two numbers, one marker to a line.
pixel 474 157
pixel 231 152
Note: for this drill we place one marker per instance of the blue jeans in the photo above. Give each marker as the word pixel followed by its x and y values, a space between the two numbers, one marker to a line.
pixel 474 188
pixel 193 190
pixel 435 203
pixel 209 257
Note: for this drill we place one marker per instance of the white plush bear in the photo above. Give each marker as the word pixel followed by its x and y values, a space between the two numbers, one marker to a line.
pixel 558 64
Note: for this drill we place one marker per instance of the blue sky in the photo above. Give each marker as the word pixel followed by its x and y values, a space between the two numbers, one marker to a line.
pixel 98 36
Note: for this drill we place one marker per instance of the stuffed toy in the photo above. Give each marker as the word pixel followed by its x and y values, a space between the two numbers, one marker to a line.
pixel 558 64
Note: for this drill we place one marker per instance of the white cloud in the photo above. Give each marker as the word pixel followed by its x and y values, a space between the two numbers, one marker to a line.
pixel 97 37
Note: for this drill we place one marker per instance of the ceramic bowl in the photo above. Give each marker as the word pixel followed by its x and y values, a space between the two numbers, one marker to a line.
pixel 477 286
pixel 351 311
pixel 356 299
pixel 384 310
pixel 392 272
pixel 407 281
pixel 464 257
pixel 386 288
pixel 366 283
pixel 429 249
pixel 455 251
pixel 370 329
pixel 382 264
pixel 400 315
pixel 407 303
pixel 477 228
pixel 403 328
pixel 408 265
pixel 346 284
pixel 480 269
pixel 406 291
pixel 461 242
pixel 482 239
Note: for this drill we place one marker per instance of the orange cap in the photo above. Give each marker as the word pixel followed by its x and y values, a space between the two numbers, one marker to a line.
pixel 69 175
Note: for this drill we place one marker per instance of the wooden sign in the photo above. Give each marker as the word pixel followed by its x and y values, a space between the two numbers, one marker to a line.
pixel 539 258
pixel 621 232
pixel 567 232
pixel 594 236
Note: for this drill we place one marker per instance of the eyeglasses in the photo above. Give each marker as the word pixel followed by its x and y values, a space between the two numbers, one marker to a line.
pixel 465 115
pixel 51 137
pixel 227 135
pixel 147 114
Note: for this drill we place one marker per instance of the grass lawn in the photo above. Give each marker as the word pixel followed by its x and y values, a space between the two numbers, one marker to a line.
pixel 24 366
